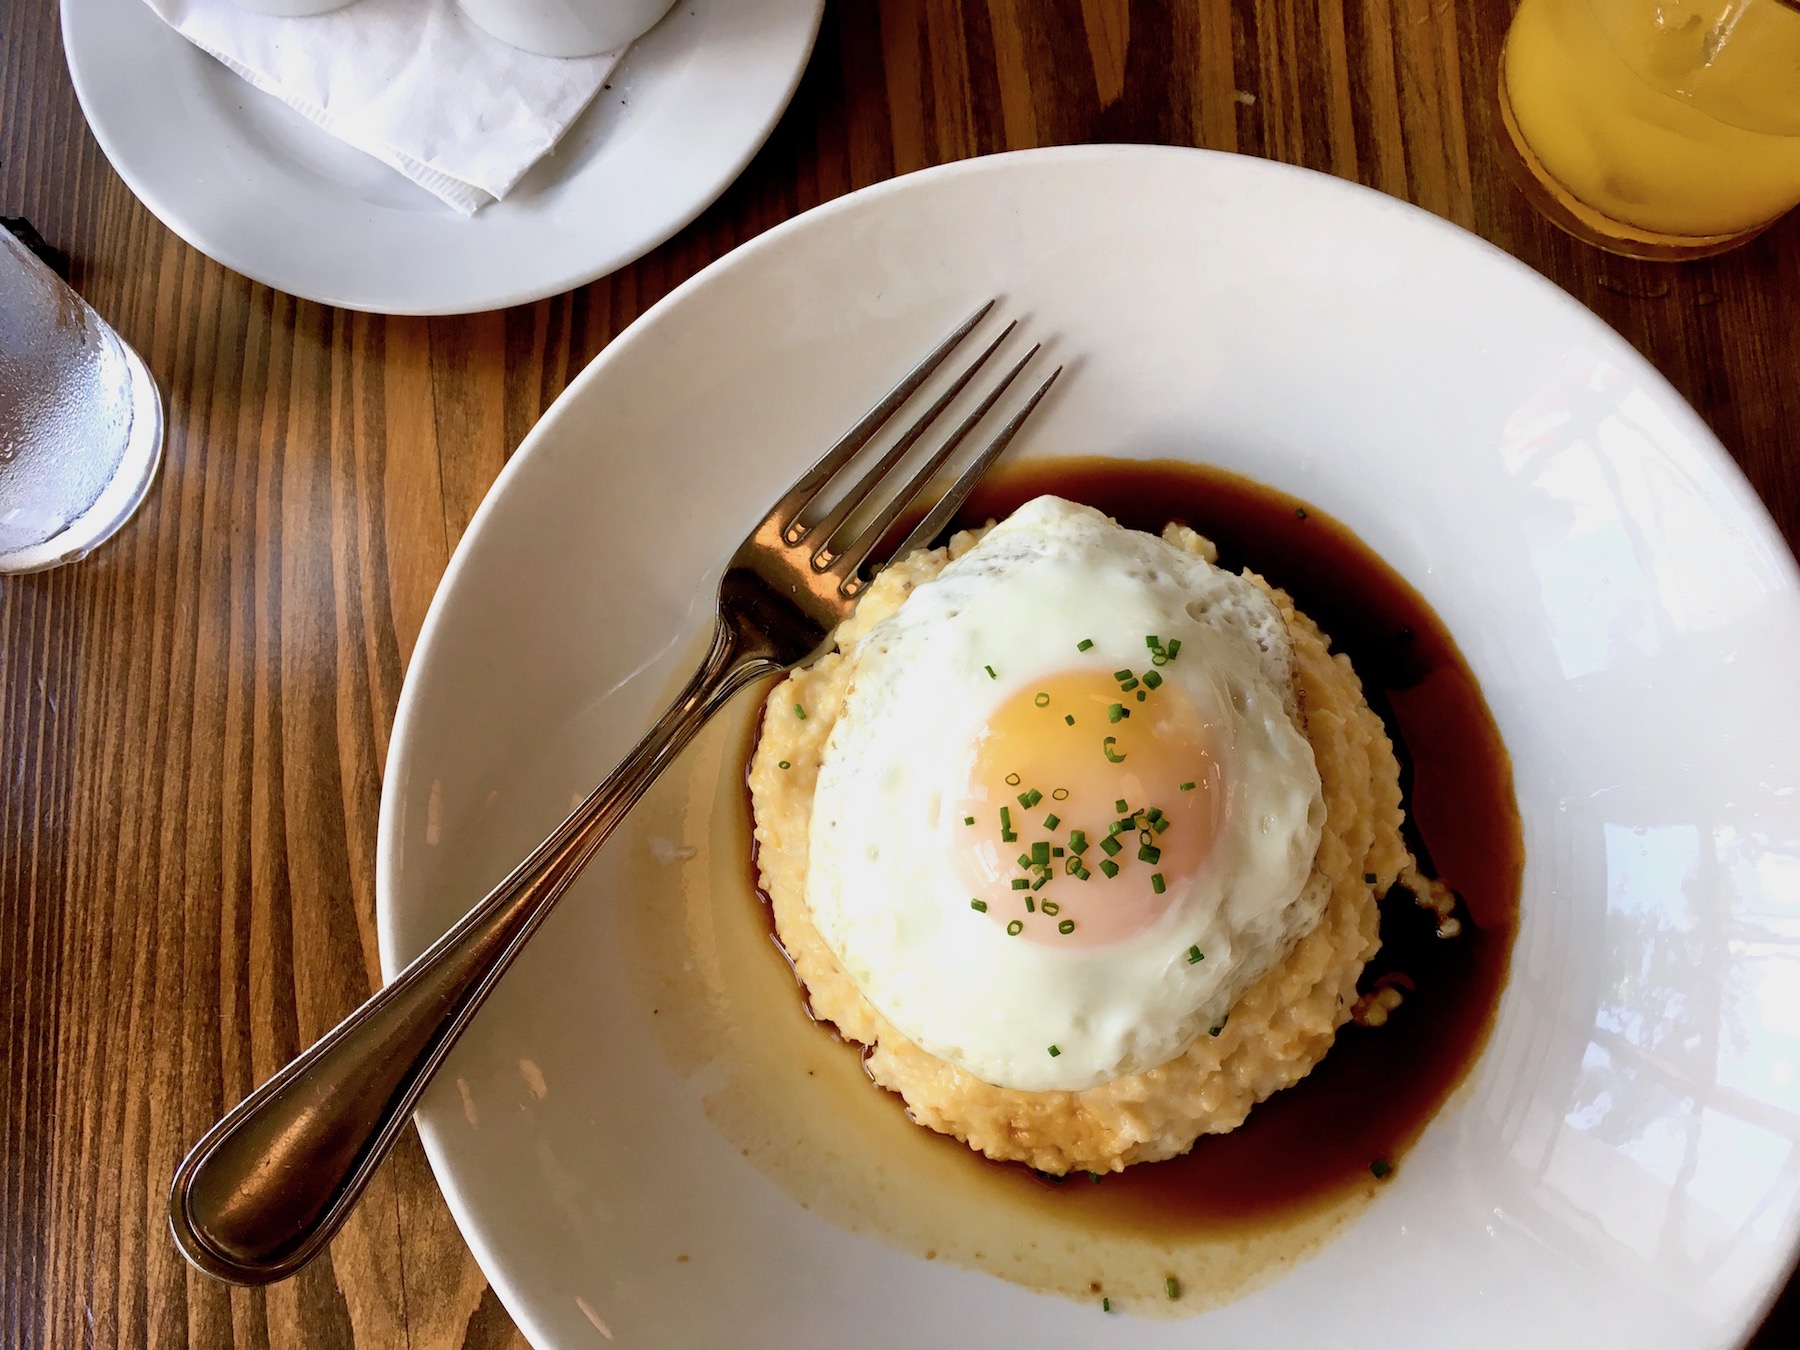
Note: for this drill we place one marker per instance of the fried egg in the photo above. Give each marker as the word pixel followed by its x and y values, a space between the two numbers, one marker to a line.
pixel 1066 815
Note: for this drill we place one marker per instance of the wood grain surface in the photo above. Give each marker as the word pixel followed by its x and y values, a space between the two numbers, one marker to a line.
pixel 193 722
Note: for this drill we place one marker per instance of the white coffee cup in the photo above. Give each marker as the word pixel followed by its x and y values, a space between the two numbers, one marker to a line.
pixel 292 9
pixel 566 27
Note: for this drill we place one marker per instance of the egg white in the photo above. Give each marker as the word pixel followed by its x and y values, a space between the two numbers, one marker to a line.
pixel 880 880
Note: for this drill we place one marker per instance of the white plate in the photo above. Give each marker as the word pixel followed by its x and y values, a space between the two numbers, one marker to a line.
pixel 251 183
pixel 1621 1168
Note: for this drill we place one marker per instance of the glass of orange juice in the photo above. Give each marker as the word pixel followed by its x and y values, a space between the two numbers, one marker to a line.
pixel 1656 128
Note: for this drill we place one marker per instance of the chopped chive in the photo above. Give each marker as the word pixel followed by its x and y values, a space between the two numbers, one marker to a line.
pixel 1060 795
pixel 1172 1287
pixel 1052 821
pixel 1145 837
pixel 1066 927
pixel 1072 867
pixel 1105 1303
pixel 1368 877
pixel 783 764
pixel 1069 718
pixel 1149 853
pixel 1299 513
pixel 1195 956
pixel 990 671
pixel 1174 648
pixel 1005 818
pixel 979 906
pixel 1108 866
pixel 1008 837
pixel 1030 905
pixel 1040 852
pixel 1016 927
pixel 1084 644
pixel 1081 872
pixel 1054 1052
pixel 1042 700
pixel 1120 826
pixel 1078 842
pixel 1094 1177
pixel 1114 713
pixel 1112 756
pixel 1160 659
pixel 1128 686
pixel 1056 852
pixel 1051 908
pixel 1020 884
pixel 1111 845
pixel 1141 696
pixel 1121 806
pixel 1154 814
pixel 1160 824
pixel 1151 679
pixel 1038 885
pixel 1121 674
pixel 800 712
pixel 968 820
pixel 1012 780
pixel 1153 642
pixel 1381 1167
pixel 1025 860
pixel 1157 883
pixel 1025 800
pixel 1187 787
pixel 1035 796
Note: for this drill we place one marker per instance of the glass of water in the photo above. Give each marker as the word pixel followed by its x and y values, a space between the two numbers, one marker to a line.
pixel 81 426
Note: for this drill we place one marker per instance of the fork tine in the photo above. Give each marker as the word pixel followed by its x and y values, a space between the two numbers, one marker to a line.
pixel 951 502
pixel 857 552
pixel 800 495
pixel 837 520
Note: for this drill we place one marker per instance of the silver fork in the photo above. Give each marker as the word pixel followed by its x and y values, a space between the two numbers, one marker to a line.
pixel 266 1188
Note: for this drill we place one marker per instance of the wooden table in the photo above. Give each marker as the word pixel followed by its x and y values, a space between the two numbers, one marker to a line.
pixel 193 722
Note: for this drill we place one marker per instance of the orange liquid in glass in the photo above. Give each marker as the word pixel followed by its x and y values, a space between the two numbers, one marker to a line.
pixel 1671 119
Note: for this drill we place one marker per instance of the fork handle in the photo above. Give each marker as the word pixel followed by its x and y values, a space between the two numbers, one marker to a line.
pixel 267 1187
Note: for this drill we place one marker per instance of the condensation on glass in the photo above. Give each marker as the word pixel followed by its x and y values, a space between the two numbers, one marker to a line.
pixel 81 425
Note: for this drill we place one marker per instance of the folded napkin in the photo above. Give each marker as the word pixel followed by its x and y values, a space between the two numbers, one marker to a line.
pixel 412 82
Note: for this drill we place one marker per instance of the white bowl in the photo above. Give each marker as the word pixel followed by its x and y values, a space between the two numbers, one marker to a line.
pixel 1620 1168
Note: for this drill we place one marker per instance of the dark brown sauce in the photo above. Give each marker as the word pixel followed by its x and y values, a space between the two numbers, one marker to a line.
pixel 1378 1088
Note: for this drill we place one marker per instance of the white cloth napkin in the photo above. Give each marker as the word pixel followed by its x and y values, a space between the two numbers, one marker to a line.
pixel 412 82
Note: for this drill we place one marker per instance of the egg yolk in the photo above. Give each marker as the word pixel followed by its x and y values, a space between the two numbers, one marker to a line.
pixel 1089 801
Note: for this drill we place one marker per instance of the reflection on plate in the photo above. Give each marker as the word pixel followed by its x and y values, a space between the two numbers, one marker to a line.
pixel 1619 1167
pixel 252 184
